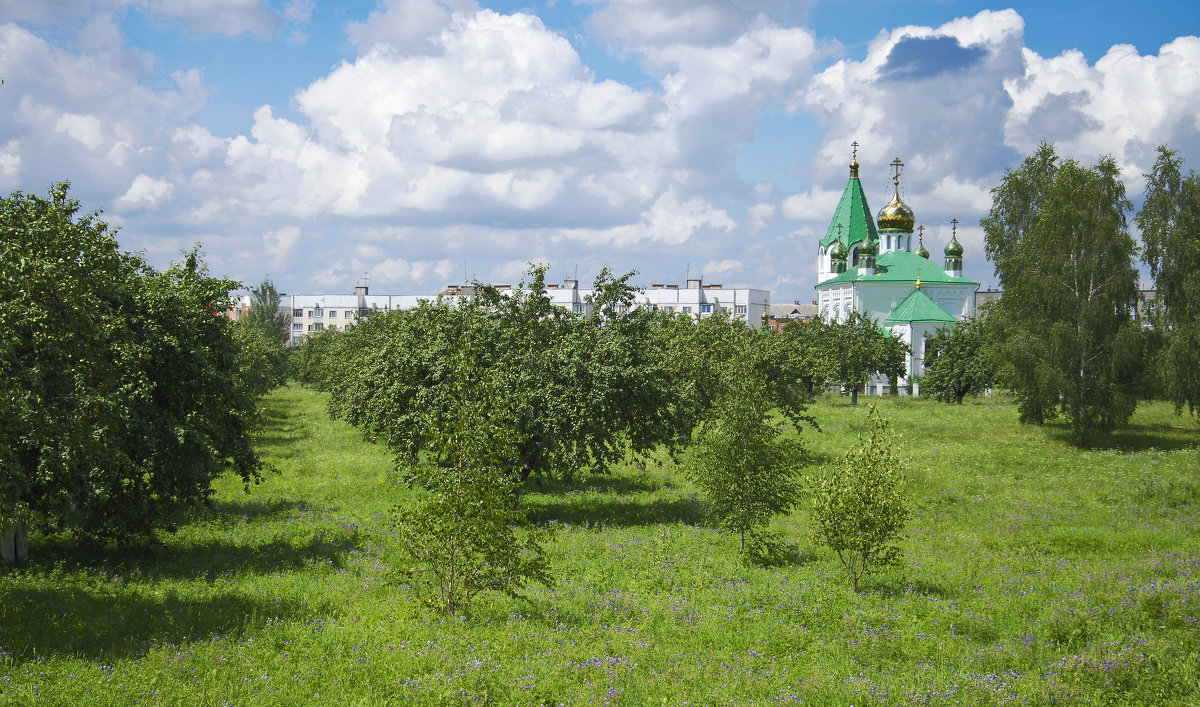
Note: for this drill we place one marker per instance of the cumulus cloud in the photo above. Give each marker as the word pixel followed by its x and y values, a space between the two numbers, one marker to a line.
pixel 145 192
pixel 717 268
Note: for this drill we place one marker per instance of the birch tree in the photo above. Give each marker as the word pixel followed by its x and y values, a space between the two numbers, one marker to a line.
pixel 1058 235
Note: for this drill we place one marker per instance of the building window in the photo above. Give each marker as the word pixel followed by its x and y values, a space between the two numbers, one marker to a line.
pixel 706 309
pixel 297 327
pixel 297 312
pixel 317 312
pixel 739 309
pixel 333 314
pixel 687 309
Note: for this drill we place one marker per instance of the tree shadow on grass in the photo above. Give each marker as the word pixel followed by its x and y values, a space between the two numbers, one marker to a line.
pixel 197 559
pixel 262 508
pixel 278 429
pixel 613 511
pixel 95 620
pixel 892 586
pixel 1132 439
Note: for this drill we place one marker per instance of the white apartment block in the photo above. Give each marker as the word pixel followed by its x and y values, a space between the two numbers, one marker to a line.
pixel 319 312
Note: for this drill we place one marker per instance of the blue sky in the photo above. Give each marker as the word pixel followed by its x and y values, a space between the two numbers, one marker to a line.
pixel 421 141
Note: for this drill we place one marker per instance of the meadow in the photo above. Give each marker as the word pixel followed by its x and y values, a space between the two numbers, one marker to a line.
pixel 1034 573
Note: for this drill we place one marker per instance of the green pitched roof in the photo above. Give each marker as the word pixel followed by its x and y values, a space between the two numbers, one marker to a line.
pixel 854 215
pixel 917 307
pixel 901 266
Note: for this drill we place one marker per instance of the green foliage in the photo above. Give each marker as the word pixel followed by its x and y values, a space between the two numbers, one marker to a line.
pixel 1066 340
pixel 859 508
pixel 745 464
pixel 580 390
pixel 466 536
pixel 121 399
pixel 262 336
pixel 957 362
pixel 856 349
pixel 1170 221
pixel 265 313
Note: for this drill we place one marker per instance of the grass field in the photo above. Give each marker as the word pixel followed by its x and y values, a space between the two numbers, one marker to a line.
pixel 1035 573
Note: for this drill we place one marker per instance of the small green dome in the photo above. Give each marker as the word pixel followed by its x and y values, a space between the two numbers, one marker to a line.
pixel 954 249
pixel 838 251
pixel 869 247
pixel 922 251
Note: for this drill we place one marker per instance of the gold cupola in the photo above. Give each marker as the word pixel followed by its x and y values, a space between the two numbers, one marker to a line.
pixel 896 215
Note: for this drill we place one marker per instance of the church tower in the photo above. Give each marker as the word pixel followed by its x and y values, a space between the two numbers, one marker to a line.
pixel 954 253
pixel 851 226
pixel 896 220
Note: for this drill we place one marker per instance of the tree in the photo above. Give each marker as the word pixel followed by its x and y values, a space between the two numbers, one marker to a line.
pixel 956 362
pixel 857 349
pixel 859 509
pixel 581 390
pixel 121 397
pixel 466 537
pixel 1170 223
pixel 266 316
pixel 745 464
pixel 1058 236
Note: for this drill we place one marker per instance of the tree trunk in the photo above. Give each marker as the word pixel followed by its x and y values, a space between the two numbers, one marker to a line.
pixel 14 544
pixel 854 396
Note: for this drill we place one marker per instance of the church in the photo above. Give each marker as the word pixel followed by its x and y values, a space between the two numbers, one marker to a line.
pixel 868 265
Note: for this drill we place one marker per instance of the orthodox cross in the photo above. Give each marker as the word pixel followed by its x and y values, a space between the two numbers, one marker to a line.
pixel 954 233
pixel 921 233
pixel 855 146
pixel 897 164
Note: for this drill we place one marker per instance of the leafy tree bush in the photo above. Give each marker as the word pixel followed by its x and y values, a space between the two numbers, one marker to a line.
pixel 466 536
pixel 581 390
pixel 858 507
pixel 122 401
pixel 742 460
pixel 1059 238
pixel 856 349
pixel 957 362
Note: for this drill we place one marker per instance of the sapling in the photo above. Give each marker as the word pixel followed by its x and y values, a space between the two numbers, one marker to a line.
pixel 859 508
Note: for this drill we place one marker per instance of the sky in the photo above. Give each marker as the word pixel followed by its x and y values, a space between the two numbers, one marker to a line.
pixel 410 144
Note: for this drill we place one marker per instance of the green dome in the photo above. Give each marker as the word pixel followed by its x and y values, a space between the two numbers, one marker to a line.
pixel 870 247
pixel 922 251
pixel 954 249
pixel 838 251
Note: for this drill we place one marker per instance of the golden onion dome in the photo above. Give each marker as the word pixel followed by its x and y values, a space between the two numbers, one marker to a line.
pixel 838 252
pixel 896 215
pixel 922 251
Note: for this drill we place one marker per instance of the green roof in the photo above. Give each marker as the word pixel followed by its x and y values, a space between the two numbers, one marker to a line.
pixel 901 266
pixel 917 307
pixel 853 214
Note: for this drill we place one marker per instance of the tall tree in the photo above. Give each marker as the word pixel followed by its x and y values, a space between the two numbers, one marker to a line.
pixel 262 336
pixel 1058 236
pixel 265 315
pixel 1170 223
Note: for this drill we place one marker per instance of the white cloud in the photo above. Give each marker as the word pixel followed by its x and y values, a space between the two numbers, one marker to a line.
pixel 84 128
pixel 813 203
pixel 145 192
pixel 281 245
pixel 1124 105
pixel 758 216
pixel 717 268
pixel 670 221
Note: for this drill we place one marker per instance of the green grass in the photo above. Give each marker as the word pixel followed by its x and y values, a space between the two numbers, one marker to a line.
pixel 1034 573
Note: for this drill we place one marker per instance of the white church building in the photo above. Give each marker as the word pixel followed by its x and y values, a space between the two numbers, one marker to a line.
pixel 868 265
